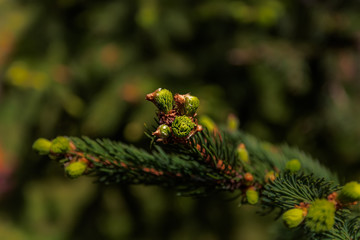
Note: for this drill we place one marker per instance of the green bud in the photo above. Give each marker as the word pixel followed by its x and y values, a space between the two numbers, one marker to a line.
pixel 60 145
pixel 42 146
pixel 252 196
pixel 243 153
pixel 321 216
pixel 350 192
pixel 182 126
pixel 293 165
pixel 232 122
pixel 191 105
pixel 163 131
pixel 293 217
pixel 208 123
pixel 75 169
pixel 164 100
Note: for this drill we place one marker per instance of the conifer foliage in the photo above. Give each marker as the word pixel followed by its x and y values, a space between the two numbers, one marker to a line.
pixel 201 160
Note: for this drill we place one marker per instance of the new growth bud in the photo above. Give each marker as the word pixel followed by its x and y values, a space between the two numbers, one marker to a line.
pixel 191 105
pixel 42 146
pixel 293 217
pixel 60 145
pixel 243 153
pixel 232 122
pixel 182 126
pixel 207 123
pixel 293 165
pixel 252 196
pixel 321 216
pixel 187 104
pixel 162 98
pixel 75 169
pixel 350 193
pixel 163 131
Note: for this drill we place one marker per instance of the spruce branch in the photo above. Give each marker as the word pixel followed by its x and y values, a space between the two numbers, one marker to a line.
pixel 289 190
pixel 114 162
pixel 201 160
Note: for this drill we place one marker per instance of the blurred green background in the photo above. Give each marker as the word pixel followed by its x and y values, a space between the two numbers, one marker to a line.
pixel 288 69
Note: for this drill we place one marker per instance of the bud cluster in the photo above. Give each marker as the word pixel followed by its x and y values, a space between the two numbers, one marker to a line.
pixel 60 148
pixel 176 115
pixel 319 216
pixel 59 145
